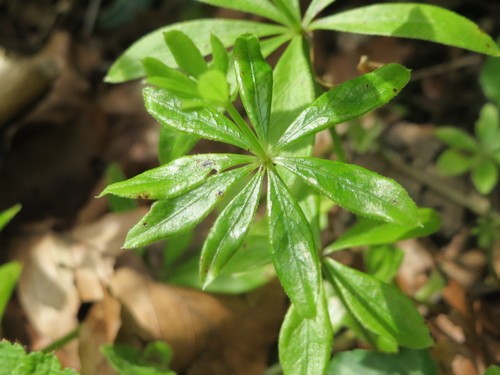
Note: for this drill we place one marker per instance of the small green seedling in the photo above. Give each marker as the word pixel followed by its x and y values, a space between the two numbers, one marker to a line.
pixel 480 156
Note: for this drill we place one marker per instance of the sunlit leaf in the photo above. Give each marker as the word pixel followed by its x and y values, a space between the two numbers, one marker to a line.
pixel 305 344
pixel 347 101
pixel 220 59
pixel 315 8
pixel 263 8
pixel 7 215
pixel 356 189
pixel 412 20
pixel 212 86
pixel 293 249
pixel 128 66
pixel 370 232
pixel 180 214
pixel 203 122
pixel 229 230
pixel 175 178
pixel 379 307
pixel 255 81
pixel 187 56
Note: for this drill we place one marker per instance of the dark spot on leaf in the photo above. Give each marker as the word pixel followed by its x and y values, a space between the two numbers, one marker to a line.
pixel 219 193
pixel 394 90
pixel 143 196
pixel 145 224
pixel 367 85
pixel 207 163
pixel 213 171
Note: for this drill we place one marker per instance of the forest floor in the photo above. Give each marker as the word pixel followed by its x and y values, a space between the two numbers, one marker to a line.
pixel 61 126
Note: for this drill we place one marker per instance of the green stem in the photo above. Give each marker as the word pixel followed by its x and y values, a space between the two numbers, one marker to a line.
pixel 59 343
pixel 337 145
pixel 255 144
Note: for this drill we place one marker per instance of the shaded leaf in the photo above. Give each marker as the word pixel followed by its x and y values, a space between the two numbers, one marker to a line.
pixel 175 178
pixel 117 204
pixel 369 232
pixel 487 127
pixel 229 230
pixel 347 101
pixel 206 123
pixel 305 344
pixel 356 189
pixel 262 8
pixel 382 262
pixel 173 145
pixel 315 8
pixel 255 81
pixel 128 66
pixel 292 247
pixel 492 370
pixel 406 362
pixel 485 176
pixel 490 78
pixel 127 360
pixel 9 274
pixel 177 215
pixel 453 162
pixel 7 215
pixel 456 138
pixel 379 307
pixel 418 21
pixel 168 78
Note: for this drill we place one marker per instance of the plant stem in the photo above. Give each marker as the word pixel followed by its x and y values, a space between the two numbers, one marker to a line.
pixel 337 145
pixel 62 341
pixel 245 129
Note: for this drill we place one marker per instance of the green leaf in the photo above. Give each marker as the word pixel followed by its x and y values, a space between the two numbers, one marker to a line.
pixel 118 204
pixel 418 21
pixel 168 78
pixel 369 232
pixel 356 189
pixel 270 45
pixel 129 66
pixel 173 145
pixel 379 307
pixel 347 101
pixel 291 9
pixel 490 78
pixel 292 247
pixel 126 360
pixel 212 86
pixel 315 8
pixel 485 176
pixel 204 122
pixel 9 274
pixel 263 8
pixel 382 262
pixel 293 87
pixel 229 230
pixel 255 81
pixel 492 370
pixel 457 138
pixel 7 215
pixel 406 362
pixel 175 216
pixel 187 56
pixel 220 59
pixel 15 361
pixel 487 127
pixel 453 162
pixel 175 178
pixel 305 344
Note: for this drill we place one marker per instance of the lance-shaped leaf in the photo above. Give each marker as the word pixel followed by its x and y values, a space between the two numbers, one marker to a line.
pixel 305 344
pixel 347 101
pixel 370 232
pixel 379 307
pixel 291 9
pixel 220 58
pixel 187 56
pixel 314 9
pixel 418 21
pixel 168 78
pixel 7 215
pixel 203 122
pixel 175 178
pixel 229 230
pixel 175 216
pixel 173 145
pixel 129 66
pixel 263 8
pixel 9 274
pixel 356 189
pixel 292 247
pixel 255 81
